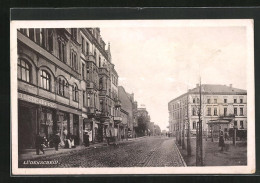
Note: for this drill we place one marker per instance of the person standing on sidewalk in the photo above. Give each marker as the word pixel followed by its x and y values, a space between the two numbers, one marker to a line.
pixel 39 144
pixel 221 141
pixel 56 141
pixel 86 139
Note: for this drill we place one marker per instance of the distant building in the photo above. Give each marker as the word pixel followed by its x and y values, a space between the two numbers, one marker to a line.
pixel 223 107
pixel 126 127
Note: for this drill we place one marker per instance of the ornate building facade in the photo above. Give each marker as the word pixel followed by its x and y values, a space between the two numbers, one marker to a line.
pixel 66 82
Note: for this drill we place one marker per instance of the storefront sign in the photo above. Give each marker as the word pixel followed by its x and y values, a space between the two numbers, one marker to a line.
pixel 35 100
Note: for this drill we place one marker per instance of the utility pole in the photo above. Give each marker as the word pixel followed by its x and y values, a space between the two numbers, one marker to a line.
pixel 183 128
pixel 199 139
pixel 188 123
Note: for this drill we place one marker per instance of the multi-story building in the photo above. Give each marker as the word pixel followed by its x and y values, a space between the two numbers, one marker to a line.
pixel 222 107
pixel 66 83
pixel 126 127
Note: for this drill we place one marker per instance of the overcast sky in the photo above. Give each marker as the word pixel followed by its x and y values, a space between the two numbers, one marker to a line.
pixel 159 64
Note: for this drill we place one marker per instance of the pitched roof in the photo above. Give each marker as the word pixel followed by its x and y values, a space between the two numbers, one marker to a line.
pixel 218 89
pixel 214 89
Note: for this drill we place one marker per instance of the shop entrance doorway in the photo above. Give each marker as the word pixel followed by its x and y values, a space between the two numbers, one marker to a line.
pixel 26 128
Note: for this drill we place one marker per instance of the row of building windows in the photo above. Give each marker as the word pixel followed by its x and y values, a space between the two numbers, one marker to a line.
pixel 45 38
pixel 197 100
pixel 215 101
pixel 225 111
pixel 24 74
pixel 176 115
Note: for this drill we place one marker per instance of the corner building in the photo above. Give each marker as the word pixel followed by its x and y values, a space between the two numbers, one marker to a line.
pixel 64 83
pixel 223 108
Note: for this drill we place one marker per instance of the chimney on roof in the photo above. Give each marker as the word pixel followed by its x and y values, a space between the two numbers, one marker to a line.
pixel 230 85
pixel 197 85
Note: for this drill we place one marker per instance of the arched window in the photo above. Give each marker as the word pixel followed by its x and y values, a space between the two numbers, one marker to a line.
pixel 75 93
pixel 45 80
pixel 24 70
pixel 62 87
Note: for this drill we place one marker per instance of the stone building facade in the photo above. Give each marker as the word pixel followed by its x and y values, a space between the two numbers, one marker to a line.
pixel 223 107
pixel 66 82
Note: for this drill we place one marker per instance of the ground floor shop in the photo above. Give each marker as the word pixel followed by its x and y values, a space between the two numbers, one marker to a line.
pixel 38 116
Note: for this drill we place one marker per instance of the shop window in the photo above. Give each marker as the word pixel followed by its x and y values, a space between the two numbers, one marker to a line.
pixel 24 70
pixel 45 80
pixel 73 58
pixel 75 93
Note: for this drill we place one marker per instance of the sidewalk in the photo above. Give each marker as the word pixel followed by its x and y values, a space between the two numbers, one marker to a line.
pixel 30 154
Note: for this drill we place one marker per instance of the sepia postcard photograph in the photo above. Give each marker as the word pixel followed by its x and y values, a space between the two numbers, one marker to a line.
pixel 132 97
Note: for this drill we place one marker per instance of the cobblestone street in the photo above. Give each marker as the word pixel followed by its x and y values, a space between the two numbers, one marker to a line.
pixel 144 152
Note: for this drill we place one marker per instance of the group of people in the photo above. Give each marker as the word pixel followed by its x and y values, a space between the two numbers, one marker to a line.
pixel 41 142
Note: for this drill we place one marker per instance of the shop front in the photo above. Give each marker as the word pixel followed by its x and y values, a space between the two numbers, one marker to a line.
pixel 88 127
pixel 27 126
pixel 39 116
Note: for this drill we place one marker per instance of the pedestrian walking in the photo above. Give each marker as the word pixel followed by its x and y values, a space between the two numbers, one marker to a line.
pixel 56 141
pixel 86 139
pixel 39 144
pixel 221 141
